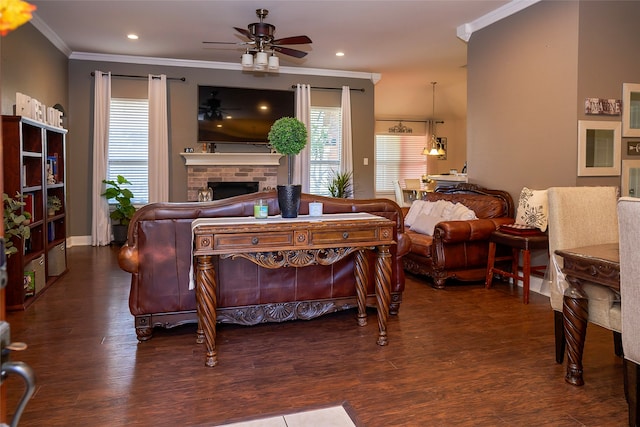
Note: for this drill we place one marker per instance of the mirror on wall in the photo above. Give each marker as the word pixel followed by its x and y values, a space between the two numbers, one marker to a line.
pixel 599 145
pixel 630 109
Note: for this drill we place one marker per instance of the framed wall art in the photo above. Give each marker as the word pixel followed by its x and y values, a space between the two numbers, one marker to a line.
pixel 601 106
pixel 630 109
pixel 630 178
pixel 599 148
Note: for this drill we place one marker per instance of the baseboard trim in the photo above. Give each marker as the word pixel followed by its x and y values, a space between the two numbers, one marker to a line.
pixel 78 241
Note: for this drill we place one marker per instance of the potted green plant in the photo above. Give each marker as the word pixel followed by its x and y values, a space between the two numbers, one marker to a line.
pixel 53 205
pixel 288 136
pixel 16 222
pixel 340 185
pixel 123 210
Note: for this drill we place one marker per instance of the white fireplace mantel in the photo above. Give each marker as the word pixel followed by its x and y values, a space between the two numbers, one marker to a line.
pixel 231 159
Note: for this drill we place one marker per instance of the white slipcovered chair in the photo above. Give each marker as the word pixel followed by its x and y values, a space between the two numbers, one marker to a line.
pixel 582 216
pixel 629 223
pixel 400 195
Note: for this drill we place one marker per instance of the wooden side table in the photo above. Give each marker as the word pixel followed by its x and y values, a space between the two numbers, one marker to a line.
pixel 517 242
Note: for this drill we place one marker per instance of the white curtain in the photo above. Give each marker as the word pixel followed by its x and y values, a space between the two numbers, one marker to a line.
pixel 302 161
pixel 346 156
pixel 158 140
pixel 100 225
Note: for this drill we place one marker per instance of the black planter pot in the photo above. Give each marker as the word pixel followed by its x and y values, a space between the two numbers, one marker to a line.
pixel 119 234
pixel 289 200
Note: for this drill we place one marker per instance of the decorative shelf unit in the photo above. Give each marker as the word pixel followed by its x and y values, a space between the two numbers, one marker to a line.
pixel 30 150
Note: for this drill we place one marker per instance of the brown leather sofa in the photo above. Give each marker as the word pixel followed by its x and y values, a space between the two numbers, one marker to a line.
pixel 459 249
pixel 158 255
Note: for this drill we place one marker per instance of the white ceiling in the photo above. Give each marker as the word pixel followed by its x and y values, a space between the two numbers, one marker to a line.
pixel 410 43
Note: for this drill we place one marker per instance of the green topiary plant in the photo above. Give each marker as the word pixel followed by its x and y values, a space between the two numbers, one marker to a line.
pixel 16 222
pixel 288 136
pixel 124 209
pixel 340 185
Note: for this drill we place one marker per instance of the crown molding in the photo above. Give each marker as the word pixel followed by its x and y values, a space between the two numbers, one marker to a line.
pixel 172 62
pixel 465 31
pixel 46 31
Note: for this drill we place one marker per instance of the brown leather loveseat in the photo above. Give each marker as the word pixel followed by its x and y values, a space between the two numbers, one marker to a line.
pixel 459 249
pixel 158 255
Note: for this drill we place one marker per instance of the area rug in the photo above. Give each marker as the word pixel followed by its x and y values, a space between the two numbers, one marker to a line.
pixel 333 416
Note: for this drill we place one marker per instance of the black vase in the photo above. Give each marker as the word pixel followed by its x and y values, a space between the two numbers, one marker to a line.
pixel 289 200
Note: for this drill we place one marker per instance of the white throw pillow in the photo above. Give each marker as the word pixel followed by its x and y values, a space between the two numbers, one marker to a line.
pixel 414 211
pixel 462 213
pixel 533 208
pixel 425 224
pixel 439 208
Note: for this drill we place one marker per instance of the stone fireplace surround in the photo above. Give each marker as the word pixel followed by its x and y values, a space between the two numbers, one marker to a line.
pixel 203 168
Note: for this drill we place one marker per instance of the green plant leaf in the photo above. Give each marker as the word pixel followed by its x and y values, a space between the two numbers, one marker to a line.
pixel 124 209
pixel 288 135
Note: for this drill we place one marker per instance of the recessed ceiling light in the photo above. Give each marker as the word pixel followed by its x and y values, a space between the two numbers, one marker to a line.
pixel 264 107
pixel 339 53
pixel 132 36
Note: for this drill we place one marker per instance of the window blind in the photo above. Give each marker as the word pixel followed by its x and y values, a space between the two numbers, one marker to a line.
pixel 129 145
pixel 398 157
pixel 326 144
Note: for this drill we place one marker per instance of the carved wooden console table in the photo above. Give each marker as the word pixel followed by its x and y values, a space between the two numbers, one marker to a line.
pixel 598 264
pixel 277 242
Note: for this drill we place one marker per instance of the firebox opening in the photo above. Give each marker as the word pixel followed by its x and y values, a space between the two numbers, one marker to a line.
pixel 226 189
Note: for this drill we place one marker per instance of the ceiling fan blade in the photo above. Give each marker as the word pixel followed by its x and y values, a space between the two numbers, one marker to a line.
pixel 292 40
pixel 244 32
pixel 291 52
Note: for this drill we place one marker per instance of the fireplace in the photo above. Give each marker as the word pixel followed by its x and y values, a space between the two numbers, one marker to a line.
pixel 204 169
pixel 223 190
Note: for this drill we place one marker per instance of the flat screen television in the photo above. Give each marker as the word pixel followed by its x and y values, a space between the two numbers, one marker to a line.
pixel 240 115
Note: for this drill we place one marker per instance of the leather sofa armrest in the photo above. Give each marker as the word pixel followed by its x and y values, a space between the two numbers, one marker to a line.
pixel 461 231
pixel 404 244
pixel 128 258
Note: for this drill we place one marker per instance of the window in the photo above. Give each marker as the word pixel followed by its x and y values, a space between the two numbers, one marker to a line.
pixel 398 157
pixel 129 145
pixel 326 146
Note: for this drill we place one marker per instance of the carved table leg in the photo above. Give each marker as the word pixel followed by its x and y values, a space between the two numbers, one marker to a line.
pixel 361 269
pixel 383 295
pixel 575 312
pixel 206 305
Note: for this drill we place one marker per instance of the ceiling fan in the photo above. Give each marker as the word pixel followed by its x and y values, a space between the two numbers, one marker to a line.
pixel 261 39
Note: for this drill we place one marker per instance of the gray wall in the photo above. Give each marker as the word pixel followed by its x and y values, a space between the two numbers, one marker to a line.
pixel 183 114
pixel 528 76
pixel 522 96
pixel 31 65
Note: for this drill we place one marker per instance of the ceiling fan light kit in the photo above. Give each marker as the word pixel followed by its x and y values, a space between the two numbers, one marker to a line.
pixel 262 42
pixel 274 62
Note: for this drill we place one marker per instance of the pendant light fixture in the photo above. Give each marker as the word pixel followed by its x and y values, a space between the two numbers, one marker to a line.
pixel 436 149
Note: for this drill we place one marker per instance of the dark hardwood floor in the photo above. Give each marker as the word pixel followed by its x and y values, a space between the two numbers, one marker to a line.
pixel 463 356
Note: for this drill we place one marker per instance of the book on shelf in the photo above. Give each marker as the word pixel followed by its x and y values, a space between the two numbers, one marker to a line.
pixel 27 198
pixel 26 246
pixel 51 232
